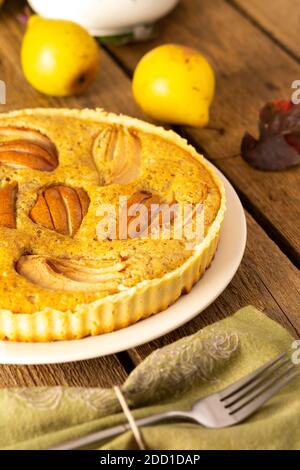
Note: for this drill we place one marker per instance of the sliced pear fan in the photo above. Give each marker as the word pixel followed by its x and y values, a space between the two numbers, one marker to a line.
pixel 71 275
pixel 7 205
pixel 120 149
pixel 61 208
pixel 157 211
pixel 27 148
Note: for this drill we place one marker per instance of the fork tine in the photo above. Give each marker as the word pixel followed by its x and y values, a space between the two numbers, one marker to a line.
pixel 242 399
pixel 250 408
pixel 237 386
pixel 262 378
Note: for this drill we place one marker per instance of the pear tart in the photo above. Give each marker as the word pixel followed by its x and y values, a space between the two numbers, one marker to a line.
pixel 58 278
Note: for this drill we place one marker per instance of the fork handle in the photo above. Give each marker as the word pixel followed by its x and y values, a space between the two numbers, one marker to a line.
pixel 116 430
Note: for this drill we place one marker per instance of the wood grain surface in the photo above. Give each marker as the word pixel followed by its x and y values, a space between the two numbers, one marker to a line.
pixel 278 18
pixel 104 372
pixel 251 69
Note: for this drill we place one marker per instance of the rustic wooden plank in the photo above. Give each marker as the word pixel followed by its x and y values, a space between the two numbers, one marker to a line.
pixel 250 70
pixel 102 372
pixel 278 18
pixel 265 279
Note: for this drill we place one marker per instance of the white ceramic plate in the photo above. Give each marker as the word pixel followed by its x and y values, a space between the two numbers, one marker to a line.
pixel 211 285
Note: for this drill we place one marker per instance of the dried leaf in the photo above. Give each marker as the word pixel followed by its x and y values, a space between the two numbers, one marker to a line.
pixel 278 145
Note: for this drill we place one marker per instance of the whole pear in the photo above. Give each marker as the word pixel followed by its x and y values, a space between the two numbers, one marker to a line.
pixel 175 84
pixel 58 57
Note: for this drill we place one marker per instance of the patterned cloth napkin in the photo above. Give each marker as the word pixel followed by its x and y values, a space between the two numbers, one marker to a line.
pixel 170 378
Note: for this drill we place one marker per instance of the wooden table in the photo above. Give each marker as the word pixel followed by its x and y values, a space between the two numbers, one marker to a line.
pixel 253 47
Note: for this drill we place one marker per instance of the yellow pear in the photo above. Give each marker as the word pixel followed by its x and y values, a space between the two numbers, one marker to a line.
pixel 59 58
pixel 175 84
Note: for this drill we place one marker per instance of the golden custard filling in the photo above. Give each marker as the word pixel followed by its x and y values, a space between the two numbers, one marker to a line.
pixel 55 172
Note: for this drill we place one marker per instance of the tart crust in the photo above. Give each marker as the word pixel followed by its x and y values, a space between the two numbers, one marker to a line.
pixel 124 308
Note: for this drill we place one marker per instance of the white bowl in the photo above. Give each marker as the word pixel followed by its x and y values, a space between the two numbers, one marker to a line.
pixel 105 17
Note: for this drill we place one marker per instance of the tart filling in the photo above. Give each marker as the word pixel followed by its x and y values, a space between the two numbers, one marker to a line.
pixel 58 279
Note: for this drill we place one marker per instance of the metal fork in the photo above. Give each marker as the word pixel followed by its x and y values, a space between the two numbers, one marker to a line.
pixel 219 410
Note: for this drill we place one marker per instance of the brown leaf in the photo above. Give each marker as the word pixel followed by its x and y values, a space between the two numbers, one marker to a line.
pixel 278 146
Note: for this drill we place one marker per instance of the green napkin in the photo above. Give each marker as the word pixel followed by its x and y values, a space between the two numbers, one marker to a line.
pixel 170 378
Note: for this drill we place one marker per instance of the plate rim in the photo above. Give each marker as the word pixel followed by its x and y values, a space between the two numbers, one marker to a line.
pixel 36 353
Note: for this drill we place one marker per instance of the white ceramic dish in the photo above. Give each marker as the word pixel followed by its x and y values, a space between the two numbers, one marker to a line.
pixel 105 17
pixel 211 285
